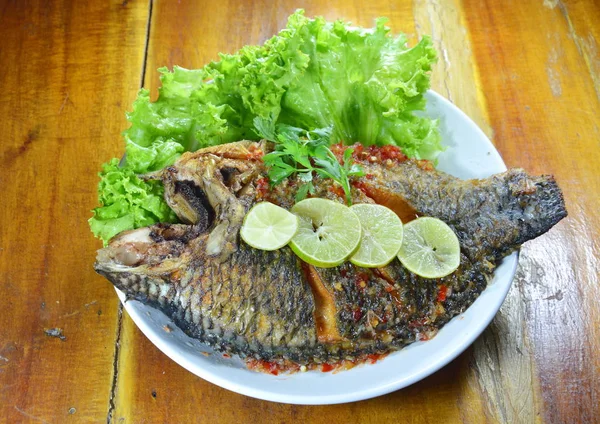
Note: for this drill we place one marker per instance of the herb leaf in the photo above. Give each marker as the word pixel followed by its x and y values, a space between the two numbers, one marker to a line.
pixel 294 149
pixel 303 191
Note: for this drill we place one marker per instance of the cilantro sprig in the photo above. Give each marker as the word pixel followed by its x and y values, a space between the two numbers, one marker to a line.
pixel 305 153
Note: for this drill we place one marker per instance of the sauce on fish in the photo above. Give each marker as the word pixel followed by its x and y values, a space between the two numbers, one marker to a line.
pixel 325 311
pixel 289 367
pixel 397 204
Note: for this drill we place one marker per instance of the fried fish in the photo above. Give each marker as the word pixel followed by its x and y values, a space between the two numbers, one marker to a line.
pixel 271 306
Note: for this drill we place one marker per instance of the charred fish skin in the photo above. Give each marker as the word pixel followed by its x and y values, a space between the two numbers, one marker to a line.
pixel 264 305
pixel 256 304
pixel 515 208
pixel 397 307
pixel 262 297
pixel 491 216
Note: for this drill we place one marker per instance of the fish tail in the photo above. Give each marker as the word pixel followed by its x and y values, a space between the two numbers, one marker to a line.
pixel 542 206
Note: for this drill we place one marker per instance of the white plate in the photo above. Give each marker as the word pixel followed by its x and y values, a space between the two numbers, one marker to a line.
pixel 469 155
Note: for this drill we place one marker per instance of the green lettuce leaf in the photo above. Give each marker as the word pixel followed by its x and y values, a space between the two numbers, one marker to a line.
pixel 366 85
pixel 128 202
pixel 362 83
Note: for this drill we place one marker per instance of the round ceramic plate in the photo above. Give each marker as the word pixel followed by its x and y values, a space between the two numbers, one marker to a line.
pixel 469 154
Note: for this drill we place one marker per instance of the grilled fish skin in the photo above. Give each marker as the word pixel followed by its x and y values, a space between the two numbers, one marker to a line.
pixel 491 216
pixel 270 305
pixel 257 301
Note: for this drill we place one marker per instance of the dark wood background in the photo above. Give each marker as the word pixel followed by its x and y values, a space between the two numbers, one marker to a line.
pixel 528 72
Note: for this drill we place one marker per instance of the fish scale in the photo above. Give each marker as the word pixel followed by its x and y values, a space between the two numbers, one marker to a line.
pixel 267 305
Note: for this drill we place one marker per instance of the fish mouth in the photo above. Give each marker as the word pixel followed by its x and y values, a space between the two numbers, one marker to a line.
pixel 155 250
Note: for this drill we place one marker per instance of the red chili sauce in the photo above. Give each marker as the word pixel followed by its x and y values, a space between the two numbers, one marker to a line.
pixel 372 154
pixel 288 367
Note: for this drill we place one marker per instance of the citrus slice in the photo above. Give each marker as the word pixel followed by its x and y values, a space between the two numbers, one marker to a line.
pixel 328 232
pixel 268 226
pixel 381 235
pixel 430 248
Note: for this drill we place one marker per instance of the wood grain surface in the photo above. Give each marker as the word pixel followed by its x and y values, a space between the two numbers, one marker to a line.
pixel 527 72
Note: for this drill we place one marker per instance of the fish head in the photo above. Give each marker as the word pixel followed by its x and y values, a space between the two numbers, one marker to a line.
pixel 137 260
pixel 210 191
pixel 213 189
pixel 201 185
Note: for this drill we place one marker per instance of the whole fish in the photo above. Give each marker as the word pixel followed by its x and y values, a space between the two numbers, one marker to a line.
pixel 271 306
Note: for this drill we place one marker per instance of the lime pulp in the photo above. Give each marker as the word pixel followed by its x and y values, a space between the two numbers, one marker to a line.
pixel 381 235
pixel 268 227
pixel 328 232
pixel 430 248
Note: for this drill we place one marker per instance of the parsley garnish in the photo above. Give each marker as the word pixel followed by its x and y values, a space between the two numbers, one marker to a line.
pixel 305 153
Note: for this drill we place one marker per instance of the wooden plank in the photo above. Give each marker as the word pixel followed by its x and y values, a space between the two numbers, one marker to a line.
pixel 191 35
pixel 500 364
pixel 581 18
pixel 69 71
pixel 455 75
pixel 540 87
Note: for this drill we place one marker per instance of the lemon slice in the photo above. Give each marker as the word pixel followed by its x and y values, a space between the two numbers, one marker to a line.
pixel 328 232
pixel 268 226
pixel 430 248
pixel 381 235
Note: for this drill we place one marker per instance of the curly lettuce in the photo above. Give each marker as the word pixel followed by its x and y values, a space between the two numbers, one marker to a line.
pixel 128 202
pixel 363 84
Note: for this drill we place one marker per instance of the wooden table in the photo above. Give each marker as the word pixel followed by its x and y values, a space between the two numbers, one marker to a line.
pixel 528 72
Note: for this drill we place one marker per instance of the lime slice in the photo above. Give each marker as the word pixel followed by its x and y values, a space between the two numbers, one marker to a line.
pixel 328 232
pixel 430 248
pixel 381 235
pixel 268 226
